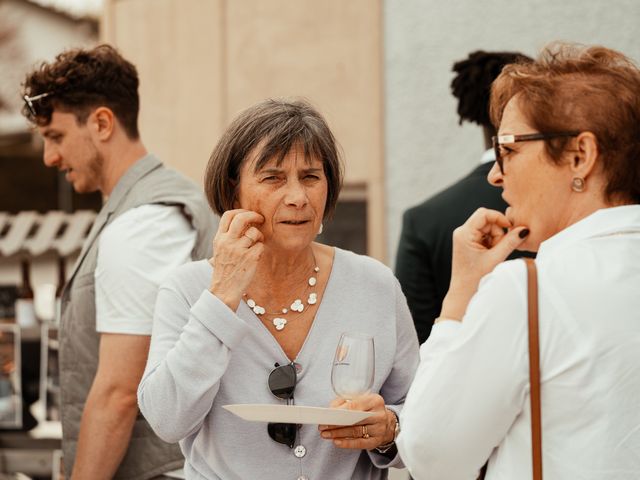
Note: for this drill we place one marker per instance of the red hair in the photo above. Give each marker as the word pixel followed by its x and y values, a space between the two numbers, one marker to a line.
pixel 576 88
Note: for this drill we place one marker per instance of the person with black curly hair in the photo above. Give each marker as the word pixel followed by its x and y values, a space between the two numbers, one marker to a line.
pixel 423 262
pixel 85 106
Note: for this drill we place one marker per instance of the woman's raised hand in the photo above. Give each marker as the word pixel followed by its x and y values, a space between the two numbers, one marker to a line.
pixel 478 246
pixel 237 247
pixel 379 429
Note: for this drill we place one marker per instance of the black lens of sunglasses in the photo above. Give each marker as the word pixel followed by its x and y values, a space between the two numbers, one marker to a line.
pixel 33 104
pixel 284 433
pixel 29 105
pixel 282 381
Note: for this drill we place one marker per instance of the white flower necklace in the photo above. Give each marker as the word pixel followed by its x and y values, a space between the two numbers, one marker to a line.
pixel 279 320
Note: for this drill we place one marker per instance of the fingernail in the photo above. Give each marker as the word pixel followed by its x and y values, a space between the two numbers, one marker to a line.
pixel 338 442
pixel 326 435
pixel 523 233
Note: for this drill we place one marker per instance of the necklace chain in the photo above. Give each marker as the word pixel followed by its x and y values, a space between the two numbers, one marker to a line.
pixel 279 321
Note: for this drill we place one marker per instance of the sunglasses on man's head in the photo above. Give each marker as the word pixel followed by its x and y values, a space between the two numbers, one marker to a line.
pixel 506 139
pixel 282 383
pixel 32 102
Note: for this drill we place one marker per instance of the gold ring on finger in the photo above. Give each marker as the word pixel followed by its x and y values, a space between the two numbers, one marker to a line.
pixel 365 434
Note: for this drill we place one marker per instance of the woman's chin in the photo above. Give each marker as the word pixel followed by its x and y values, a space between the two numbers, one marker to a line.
pixel 514 219
pixel 509 214
pixel 288 244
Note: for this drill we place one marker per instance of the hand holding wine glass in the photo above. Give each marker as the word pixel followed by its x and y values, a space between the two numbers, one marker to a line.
pixel 352 376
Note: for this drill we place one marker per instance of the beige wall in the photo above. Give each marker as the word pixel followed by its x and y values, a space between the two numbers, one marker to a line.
pixel 203 61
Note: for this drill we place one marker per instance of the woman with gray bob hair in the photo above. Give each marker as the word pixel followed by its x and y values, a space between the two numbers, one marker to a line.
pixel 260 321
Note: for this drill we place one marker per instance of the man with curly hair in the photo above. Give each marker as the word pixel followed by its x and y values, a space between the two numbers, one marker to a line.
pixel 423 262
pixel 85 106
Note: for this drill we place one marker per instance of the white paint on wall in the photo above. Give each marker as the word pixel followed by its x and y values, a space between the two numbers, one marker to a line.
pixel 426 150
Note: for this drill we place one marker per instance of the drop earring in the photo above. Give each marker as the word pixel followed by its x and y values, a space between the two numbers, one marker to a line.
pixel 577 184
pixel 320 229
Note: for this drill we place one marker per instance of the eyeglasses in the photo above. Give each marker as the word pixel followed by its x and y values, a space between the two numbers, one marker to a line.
pixel 282 383
pixel 29 102
pixel 502 139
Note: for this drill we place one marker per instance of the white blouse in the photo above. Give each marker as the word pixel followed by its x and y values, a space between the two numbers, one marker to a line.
pixel 470 399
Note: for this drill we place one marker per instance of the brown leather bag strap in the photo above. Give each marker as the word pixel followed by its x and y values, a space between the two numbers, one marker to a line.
pixel 534 368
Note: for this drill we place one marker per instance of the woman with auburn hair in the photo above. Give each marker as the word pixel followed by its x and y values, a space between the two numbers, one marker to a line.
pixel 568 161
pixel 260 321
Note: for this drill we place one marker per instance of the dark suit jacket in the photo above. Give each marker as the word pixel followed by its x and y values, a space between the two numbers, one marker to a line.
pixel 423 262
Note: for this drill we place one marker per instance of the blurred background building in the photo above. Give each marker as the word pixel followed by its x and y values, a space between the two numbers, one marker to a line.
pixel 201 62
pixel 30 33
pixel 378 70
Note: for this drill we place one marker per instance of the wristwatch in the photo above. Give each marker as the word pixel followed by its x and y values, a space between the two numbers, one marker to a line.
pixel 396 430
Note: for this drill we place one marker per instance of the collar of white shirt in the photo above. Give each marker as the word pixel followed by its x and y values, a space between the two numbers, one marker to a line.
pixel 608 221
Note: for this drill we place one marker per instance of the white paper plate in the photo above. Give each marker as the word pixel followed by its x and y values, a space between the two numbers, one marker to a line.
pixel 297 414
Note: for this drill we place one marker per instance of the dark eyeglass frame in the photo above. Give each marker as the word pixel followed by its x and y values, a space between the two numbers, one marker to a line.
pixel 28 101
pixel 282 383
pixel 528 137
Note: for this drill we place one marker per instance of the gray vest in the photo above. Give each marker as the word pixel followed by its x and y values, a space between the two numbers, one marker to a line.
pixel 145 182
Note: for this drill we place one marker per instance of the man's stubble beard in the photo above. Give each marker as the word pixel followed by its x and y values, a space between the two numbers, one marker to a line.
pixel 95 171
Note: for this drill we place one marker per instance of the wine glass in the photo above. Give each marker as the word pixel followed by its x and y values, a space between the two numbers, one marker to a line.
pixel 353 366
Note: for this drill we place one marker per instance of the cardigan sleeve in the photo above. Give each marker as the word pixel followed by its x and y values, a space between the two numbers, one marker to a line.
pixel 189 354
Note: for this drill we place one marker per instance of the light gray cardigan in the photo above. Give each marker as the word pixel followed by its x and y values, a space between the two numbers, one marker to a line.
pixel 203 356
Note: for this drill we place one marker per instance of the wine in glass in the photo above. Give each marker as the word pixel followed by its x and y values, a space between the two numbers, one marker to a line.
pixel 353 366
